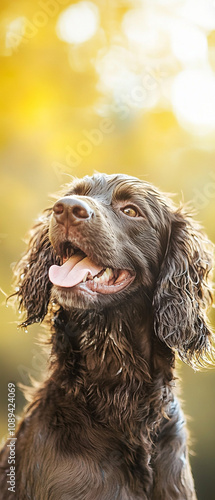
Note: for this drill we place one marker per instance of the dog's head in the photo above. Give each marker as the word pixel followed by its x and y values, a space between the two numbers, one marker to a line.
pixel 114 239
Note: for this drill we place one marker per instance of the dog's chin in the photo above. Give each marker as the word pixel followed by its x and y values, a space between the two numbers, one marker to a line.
pixel 82 296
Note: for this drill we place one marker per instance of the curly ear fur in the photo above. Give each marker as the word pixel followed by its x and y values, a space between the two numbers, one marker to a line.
pixel 182 294
pixel 33 285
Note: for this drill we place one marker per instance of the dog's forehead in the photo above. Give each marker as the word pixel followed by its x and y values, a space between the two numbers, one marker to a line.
pixel 106 186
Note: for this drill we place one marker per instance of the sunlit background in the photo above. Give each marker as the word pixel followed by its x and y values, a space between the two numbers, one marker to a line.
pixel 114 86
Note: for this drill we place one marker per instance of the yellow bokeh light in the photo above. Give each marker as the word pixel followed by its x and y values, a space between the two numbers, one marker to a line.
pixel 78 23
pixel 193 100
pixel 14 33
pixel 199 12
pixel 189 43
pixel 121 78
pixel 149 35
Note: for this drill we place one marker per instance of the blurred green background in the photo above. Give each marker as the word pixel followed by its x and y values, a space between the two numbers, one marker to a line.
pixel 113 86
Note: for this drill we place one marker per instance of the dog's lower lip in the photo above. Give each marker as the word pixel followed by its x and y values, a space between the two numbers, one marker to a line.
pixel 124 279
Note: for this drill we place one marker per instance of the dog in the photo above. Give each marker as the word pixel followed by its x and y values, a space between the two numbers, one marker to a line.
pixel 121 276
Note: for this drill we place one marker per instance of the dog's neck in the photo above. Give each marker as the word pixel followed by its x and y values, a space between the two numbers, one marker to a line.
pixel 106 362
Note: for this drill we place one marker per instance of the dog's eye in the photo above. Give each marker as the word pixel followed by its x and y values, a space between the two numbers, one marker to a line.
pixel 130 211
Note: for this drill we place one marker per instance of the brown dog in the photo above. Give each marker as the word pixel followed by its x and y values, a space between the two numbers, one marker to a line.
pixel 121 276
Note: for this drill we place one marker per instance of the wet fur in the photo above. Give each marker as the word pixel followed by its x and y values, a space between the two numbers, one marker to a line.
pixel 106 423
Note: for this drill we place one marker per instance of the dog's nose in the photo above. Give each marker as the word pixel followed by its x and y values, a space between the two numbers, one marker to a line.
pixel 71 210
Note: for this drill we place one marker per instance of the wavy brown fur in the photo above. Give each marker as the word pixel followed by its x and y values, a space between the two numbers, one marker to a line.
pixel 106 424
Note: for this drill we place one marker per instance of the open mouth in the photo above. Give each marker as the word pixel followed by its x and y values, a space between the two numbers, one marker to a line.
pixel 80 271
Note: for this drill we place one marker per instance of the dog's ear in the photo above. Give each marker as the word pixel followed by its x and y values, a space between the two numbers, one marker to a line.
pixel 31 273
pixel 183 294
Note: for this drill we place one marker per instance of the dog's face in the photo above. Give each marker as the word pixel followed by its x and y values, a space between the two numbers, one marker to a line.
pixel 116 240
pixel 110 239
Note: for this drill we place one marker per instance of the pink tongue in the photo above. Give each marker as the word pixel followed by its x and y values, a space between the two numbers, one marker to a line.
pixel 73 271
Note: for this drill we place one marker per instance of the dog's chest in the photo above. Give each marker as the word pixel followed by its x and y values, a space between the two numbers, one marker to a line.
pixel 80 478
pixel 79 466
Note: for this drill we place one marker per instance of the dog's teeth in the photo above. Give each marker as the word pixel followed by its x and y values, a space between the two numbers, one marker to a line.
pixel 85 277
pixel 108 273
